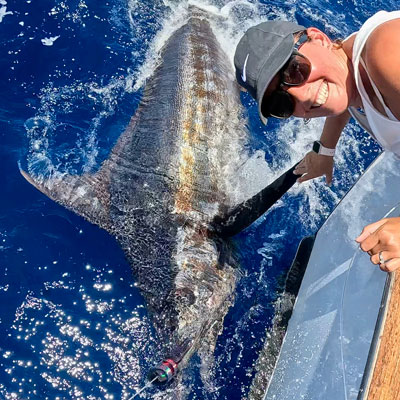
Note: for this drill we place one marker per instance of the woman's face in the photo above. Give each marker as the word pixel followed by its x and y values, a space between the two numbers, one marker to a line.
pixel 329 88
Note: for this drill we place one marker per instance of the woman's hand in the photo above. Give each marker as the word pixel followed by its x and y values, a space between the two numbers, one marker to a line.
pixel 382 242
pixel 314 165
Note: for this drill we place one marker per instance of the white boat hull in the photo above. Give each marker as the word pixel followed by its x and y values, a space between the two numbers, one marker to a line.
pixel 328 339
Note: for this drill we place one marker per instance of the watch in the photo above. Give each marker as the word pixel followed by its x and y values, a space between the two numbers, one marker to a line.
pixel 320 149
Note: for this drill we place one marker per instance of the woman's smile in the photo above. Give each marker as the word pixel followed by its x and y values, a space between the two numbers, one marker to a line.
pixel 322 95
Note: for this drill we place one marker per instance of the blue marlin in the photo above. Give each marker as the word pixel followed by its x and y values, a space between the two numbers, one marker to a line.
pixel 165 180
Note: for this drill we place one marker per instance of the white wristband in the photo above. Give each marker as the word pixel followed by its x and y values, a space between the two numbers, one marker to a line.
pixel 320 149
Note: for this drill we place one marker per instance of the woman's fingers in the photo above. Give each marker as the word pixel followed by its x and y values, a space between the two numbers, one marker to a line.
pixel 383 257
pixel 367 232
pixel 306 177
pixel 381 240
pixel 329 177
pixel 314 165
pixel 301 168
pixel 391 265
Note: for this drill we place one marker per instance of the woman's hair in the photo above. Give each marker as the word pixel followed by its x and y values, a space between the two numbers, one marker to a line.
pixel 298 34
pixel 337 43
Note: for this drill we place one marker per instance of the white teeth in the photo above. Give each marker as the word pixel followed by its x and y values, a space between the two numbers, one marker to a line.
pixel 322 95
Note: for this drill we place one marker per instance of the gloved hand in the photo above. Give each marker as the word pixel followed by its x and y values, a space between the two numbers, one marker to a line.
pixel 314 165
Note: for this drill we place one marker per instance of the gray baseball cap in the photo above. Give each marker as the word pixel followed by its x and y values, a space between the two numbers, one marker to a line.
pixel 261 53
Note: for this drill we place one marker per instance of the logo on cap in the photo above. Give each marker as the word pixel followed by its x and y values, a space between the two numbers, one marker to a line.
pixel 244 68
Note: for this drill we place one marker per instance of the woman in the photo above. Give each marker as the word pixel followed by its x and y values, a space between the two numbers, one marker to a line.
pixel 321 78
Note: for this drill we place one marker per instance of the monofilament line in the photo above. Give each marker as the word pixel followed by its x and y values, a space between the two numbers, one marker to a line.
pixel 143 388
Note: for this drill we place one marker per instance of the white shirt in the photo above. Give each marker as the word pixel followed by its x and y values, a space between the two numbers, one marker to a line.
pixel 384 128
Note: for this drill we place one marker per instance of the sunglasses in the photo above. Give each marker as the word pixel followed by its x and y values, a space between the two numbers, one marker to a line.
pixel 281 104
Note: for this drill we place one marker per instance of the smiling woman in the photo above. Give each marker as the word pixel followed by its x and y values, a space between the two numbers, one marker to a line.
pixel 323 79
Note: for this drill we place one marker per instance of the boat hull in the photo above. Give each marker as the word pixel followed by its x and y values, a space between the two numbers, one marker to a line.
pixel 328 340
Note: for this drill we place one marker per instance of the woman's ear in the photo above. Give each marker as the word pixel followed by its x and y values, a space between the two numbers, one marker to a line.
pixel 318 37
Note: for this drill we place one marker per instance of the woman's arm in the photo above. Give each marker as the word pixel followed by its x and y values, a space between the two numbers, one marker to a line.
pixel 314 165
pixel 382 56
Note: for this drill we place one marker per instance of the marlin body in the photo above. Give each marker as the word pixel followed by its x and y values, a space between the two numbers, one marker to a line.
pixel 165 180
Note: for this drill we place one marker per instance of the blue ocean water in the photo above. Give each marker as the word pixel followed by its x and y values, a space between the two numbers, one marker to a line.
pixel 72 323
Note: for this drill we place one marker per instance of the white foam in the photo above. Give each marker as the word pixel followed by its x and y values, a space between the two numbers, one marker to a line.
pixel 49 41
pixel 228 22
pixel 173 22
pixel 4 12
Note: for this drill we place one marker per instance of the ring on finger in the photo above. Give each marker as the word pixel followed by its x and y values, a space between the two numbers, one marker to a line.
pixel 382 261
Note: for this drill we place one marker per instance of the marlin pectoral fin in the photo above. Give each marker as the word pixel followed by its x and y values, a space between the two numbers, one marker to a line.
pixel 87 195
pixel 244 214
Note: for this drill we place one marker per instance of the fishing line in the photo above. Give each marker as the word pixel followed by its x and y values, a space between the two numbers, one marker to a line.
pixel 148 384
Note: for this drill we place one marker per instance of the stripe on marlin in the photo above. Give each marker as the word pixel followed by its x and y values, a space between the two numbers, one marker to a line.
pixel 165 180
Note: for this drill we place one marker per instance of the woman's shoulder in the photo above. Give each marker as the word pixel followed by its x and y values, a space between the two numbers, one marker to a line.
pixel 385 35
pixel 382 49
pixel 382 57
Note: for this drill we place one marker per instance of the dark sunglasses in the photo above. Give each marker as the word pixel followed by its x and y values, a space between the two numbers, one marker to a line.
pixel 281 104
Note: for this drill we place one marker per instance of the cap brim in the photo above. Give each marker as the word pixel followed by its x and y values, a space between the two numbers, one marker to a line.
pixel 274 63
